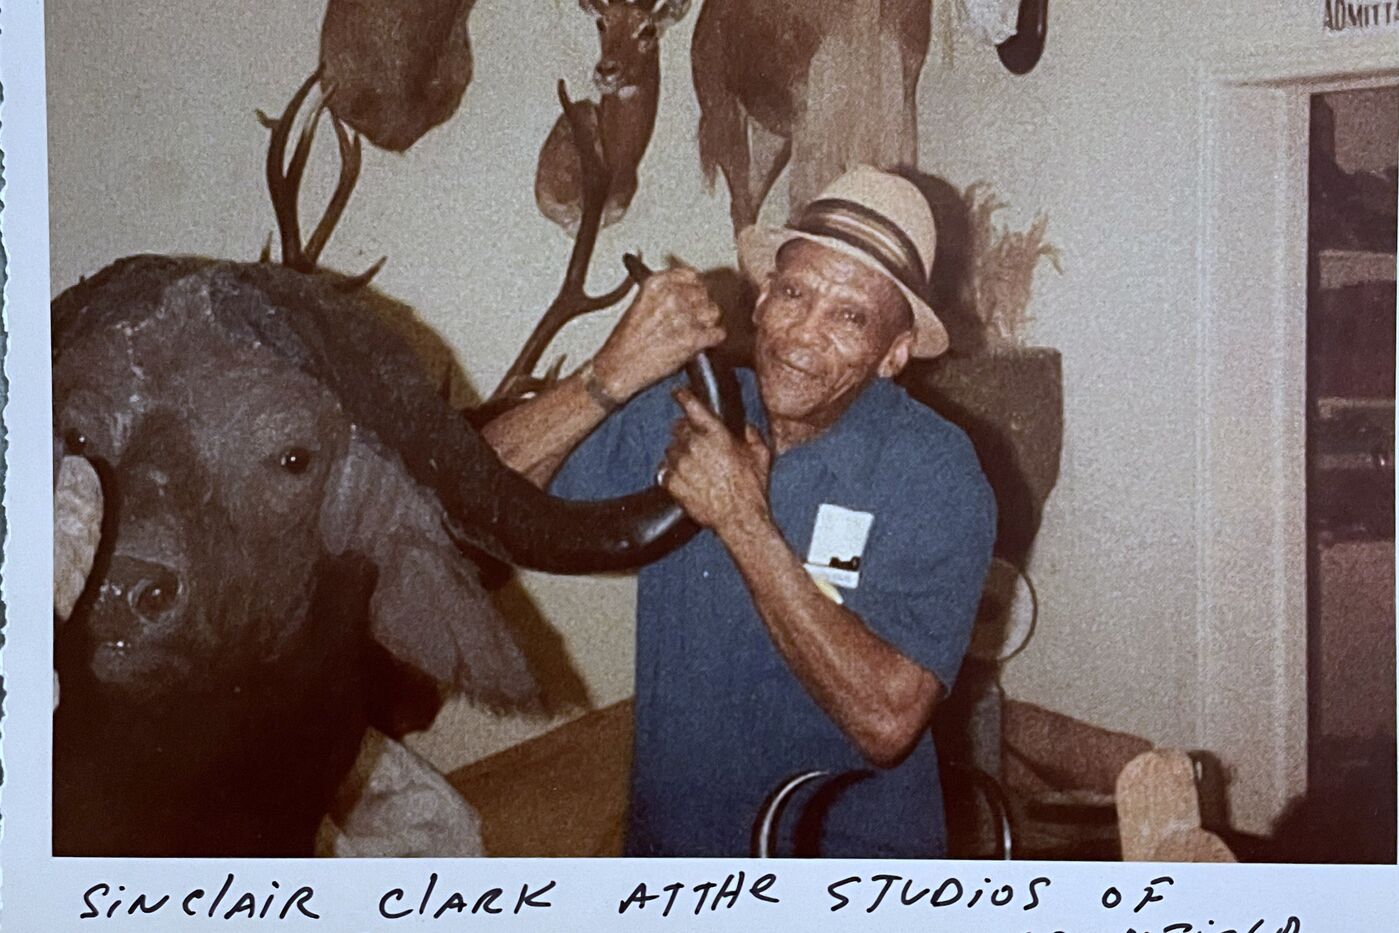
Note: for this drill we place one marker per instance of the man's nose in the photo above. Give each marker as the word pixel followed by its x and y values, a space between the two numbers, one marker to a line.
pixel 804 323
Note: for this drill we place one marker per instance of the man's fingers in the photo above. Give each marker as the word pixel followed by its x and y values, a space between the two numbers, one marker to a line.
pixel 672 472
pixel 700 417
pixel 681 433
pixel 713 336
pixel 756 442
pixel 758 448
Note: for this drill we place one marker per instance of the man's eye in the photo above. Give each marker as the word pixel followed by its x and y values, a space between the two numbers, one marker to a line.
pixel 295 460
pixel 852 316
pixel 790 291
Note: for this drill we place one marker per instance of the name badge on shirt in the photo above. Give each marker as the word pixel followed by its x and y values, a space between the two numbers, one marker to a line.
pixel 838 545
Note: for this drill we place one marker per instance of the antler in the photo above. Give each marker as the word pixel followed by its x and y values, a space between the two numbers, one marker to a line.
pixel 284 180
pixel 573 299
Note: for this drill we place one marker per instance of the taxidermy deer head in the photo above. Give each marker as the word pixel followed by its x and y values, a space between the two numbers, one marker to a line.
pixel 628 78
pixel 824 86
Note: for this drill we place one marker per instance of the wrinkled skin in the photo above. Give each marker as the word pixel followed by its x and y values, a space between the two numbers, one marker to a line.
pixel 287 502
pixel 825 325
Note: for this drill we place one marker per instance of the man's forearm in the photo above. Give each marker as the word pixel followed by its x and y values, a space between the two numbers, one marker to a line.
pixel 671 319
pixel 880 699
pixel 535 437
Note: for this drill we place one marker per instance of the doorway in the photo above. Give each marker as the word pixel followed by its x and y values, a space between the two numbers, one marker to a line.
pixel 1350 363
pixel 1254 551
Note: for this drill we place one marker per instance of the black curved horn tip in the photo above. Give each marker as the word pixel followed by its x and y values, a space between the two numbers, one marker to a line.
pixel 1022 51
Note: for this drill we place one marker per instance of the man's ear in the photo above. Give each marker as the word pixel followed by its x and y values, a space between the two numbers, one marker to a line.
pixel 429 608
pixel 896 357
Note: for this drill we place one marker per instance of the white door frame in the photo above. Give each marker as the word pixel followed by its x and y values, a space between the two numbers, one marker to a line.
pixel 1251 709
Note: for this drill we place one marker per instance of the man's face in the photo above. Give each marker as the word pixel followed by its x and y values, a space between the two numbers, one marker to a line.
pixel 826 325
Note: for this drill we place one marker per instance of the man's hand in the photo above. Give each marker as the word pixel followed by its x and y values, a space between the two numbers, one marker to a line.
pixel 721 481
pixel 878 697
pixel 670 321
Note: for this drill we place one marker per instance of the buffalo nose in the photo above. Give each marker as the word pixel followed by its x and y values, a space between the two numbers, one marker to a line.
pixel 607 70
pixel 153 592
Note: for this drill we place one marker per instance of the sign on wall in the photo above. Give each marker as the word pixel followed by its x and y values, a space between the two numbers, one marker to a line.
pixel 1346 16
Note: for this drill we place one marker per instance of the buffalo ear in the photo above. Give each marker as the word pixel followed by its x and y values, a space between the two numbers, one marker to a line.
pixel 429 608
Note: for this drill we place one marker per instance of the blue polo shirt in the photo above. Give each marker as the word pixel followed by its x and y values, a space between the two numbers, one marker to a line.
pixel 720 719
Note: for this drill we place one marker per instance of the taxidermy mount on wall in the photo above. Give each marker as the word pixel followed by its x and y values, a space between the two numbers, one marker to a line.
pixel 628 78
pixel 1021 51
pixel 822 85
pixel 394 69
pixel 284 497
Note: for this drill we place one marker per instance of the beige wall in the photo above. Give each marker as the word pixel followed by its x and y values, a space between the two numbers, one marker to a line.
pixel 1103 136
pixel 154 148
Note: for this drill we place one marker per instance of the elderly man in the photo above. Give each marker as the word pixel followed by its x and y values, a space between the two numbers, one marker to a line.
pixel 824 611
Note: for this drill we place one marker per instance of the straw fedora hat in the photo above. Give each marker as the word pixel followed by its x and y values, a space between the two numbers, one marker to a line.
pixel 877 217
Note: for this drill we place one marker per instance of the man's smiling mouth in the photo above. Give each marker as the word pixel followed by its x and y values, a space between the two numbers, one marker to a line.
pixel 792 367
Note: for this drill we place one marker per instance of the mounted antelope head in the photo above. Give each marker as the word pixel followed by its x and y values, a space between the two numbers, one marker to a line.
pixel 394 69
pixel 628 79
pixel 822 85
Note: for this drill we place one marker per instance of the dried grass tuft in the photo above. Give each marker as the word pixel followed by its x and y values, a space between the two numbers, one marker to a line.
pixel 1003 264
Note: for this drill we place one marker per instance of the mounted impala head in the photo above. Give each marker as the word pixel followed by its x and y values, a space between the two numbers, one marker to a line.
pixel 630 34
pixel 628 77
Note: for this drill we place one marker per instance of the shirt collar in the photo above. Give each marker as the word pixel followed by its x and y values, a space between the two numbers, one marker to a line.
pixel 848 447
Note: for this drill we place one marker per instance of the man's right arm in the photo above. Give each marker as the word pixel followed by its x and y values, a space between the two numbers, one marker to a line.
pixel 535 437
pixel 670 321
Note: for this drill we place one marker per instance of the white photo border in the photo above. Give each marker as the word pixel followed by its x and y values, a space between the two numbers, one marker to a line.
pixel 44 893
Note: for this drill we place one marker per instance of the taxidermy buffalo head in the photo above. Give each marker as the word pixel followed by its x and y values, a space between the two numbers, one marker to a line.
pixel 282 490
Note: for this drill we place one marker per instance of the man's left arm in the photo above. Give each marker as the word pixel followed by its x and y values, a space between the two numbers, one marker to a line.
pixel 882 699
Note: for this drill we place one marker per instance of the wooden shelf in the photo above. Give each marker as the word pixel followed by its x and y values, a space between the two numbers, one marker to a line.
pixel 1340 267
pixel 1328 406
pixel 1350 461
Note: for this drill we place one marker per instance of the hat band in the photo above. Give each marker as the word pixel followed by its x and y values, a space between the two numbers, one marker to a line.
pixel 870 232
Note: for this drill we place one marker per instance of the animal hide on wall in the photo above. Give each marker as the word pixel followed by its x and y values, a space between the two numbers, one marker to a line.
pixel 854 112
pixel 823 87
pixel 394 69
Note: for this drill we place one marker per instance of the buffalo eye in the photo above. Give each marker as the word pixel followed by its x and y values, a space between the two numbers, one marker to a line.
pixel 295 460
pixel 647 33
pixel 75 442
